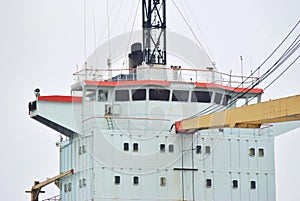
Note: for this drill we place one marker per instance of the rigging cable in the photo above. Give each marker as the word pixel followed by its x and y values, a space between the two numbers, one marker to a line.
pixel 108 29
pixel 237 96
pixel 192 31
pixel 132 26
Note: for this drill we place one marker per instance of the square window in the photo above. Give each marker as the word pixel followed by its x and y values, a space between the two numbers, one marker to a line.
pixel 252 185
pixel 163 181
pixel 162 147
pixel 138 94
pixel 251 152
pixel 126 146
pixel 171 148
pixel 135 180
pixel 261 152
pixel 102 95
pixel 235 184
pixel 117 179
pixel 207 149
pixel 198 149
pixel 135 146
pixel 122 95
pixel 208 183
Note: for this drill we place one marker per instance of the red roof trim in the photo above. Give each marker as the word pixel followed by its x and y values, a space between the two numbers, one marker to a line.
pixel 239 90
pixel 167 83
pixel 67 99
pixel 127 83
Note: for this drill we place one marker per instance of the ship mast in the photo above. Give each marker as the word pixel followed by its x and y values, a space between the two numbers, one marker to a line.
pixel 154 32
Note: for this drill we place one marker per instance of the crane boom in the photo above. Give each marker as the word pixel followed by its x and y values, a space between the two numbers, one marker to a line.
pixel 250 116
pixel 36 189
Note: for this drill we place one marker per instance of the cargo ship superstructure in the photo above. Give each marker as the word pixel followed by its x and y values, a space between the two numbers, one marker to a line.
pixel 119 136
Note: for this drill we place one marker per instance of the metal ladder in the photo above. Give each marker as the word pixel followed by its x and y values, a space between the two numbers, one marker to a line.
pixel 110 124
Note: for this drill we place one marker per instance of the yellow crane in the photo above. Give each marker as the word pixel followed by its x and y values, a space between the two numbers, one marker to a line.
pixel 250 116
pixel 37 187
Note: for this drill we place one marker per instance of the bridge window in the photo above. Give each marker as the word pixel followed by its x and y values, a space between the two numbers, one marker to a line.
pixel 138 94
pixel 201 96
pixel 102 95
pixel 218 98
pixel 159 94
pixel 180 95
pixel 90 95
pixel 226 100
pixel 122 95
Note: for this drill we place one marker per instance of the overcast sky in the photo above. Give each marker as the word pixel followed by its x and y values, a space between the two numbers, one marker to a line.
pixel 42 41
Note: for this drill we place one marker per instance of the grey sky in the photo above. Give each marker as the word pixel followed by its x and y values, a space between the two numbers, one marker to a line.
pixel 42 41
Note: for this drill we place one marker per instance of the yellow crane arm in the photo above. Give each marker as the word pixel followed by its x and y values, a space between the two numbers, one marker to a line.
pixel 36 189
pixel 250 116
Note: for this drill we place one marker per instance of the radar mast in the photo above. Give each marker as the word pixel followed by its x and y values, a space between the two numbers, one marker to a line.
pixel 154 31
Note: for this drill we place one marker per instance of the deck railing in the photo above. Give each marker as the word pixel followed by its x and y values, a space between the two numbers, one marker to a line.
pixel 167 74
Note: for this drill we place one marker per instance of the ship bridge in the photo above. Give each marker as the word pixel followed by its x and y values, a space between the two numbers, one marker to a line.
pixel 147 97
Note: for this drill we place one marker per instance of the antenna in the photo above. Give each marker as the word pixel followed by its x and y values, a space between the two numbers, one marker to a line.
pixel 154 31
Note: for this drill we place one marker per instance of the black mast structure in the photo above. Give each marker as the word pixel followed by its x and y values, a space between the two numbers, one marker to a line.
pixel 154 31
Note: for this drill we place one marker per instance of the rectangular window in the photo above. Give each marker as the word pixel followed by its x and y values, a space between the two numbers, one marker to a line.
pixel 69 187
pixel 226 100
pixel 135 146
pixel 80 183
pixel 208 183
pixel 126 146
pixel 198 149
pixel 162 147
pixel 207 149
pixel 180 95
pixel 201 96
pixel 252 185
pixel 138 94
pixel 251 152
pixel 163 181
pixel 135 180
pixel 171 148
pixel 102 95
pixel 122 95
pixel 235 184
pixel 159 94
pixel 90 95
pixel 66 188
pixel 218 98
pixel 261 152
pixel 84 182
pixel 117 180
